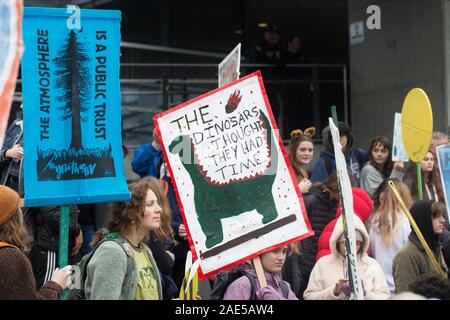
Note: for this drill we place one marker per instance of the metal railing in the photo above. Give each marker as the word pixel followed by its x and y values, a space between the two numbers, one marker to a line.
pixel 300 94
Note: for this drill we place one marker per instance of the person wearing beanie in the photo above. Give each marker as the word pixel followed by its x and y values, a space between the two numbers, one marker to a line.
pixel 355 158
pixel 329 277
pixel 16 276
pixel 412 261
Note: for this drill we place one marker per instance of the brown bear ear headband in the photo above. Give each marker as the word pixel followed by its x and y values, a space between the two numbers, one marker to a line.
pixel 309 132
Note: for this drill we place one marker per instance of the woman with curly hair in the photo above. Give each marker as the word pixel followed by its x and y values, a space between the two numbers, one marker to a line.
pixel 123 267
pixel 300 152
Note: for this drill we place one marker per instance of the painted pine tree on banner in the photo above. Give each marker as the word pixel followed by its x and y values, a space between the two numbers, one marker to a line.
pixel 83 158
pixel 73 79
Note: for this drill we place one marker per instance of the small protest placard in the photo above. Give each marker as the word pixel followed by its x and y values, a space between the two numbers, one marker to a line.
pixel 229 67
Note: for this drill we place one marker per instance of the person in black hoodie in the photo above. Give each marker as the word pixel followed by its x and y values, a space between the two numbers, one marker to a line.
pixel 412 261
pixel 45 251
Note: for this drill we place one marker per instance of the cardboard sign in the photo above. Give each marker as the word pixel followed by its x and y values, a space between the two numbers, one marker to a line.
pixel 230 66
pixel 398 151
pixel 237 193
pixel 348 214
pixel 72 108
pixel 417 124
pixel 11 48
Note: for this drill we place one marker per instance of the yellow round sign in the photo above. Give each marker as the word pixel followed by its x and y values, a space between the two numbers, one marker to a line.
pixel 417 124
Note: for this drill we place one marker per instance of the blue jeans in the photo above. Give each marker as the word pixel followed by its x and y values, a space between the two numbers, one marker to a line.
pixel 88 235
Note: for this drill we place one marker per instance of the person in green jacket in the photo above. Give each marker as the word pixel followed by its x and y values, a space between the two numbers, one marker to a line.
pixel 412 261
pixel 127 271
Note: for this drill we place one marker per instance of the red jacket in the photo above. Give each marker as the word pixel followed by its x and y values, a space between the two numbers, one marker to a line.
pixel 362 206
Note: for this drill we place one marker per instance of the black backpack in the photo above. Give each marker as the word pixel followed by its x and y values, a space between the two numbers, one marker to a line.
pixel 78 293
pixel 225 278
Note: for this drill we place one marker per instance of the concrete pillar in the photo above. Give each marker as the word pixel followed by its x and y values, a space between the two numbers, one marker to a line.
pixel 409 51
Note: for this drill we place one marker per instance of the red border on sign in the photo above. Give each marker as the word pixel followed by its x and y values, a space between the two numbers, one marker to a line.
pixel 309 233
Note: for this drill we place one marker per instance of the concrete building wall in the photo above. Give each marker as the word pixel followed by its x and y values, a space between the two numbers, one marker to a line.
pixel 408 52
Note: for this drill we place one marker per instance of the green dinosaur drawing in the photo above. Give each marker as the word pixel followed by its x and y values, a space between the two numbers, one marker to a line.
pixel 215 202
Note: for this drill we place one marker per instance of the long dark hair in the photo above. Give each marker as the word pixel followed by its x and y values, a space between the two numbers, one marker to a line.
pixel 385 143
pixel 430 179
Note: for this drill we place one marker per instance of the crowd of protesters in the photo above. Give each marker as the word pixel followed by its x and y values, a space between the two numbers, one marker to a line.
pixel 140 253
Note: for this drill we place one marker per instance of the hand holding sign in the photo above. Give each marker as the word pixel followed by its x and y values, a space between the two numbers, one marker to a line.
pixel 16 152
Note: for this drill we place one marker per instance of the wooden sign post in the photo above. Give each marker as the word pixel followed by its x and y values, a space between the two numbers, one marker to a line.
pixel 260 272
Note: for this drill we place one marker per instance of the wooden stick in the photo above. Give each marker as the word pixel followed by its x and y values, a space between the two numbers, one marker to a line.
pixel 260 272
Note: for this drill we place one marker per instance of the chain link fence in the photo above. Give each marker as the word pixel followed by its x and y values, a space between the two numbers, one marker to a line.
pixel 300 95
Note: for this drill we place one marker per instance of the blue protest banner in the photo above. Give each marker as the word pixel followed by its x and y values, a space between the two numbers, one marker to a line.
pixel 443 155
pixel 72 107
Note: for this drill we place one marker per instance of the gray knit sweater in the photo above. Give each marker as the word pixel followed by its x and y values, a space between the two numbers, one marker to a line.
pixel 108 277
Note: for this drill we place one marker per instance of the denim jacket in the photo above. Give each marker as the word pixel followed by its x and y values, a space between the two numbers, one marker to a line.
pixel 13 135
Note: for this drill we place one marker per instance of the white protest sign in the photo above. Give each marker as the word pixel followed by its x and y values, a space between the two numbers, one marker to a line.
pixel 230 66
pixel 347 215
pixel 236 190
pixel 398 151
